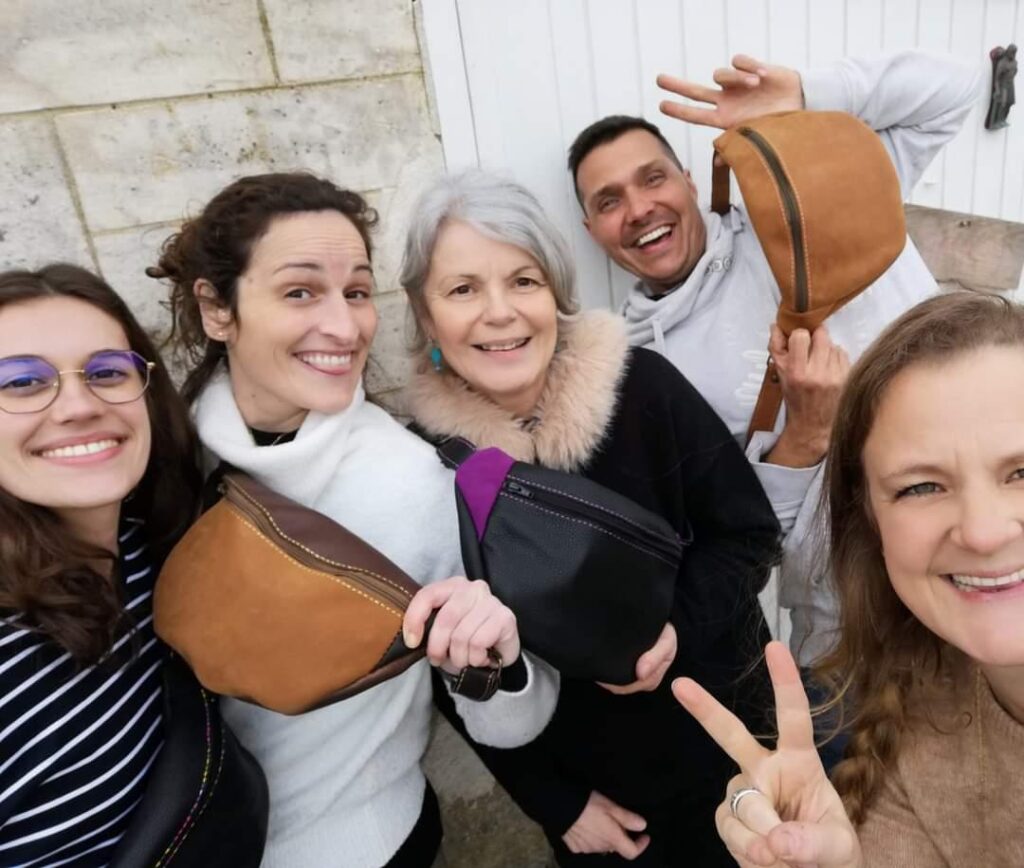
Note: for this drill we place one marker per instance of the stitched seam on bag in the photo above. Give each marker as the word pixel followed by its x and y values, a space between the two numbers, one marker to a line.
pixel 387 650
pixel 803 229
pixel 579 500
pixel 172 849
pixel 317 555
pixel 782 208
pixel 206 804
pixel 304 568
pixel 596 527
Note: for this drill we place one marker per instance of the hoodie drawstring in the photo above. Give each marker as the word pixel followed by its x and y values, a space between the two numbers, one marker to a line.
pixel 659 337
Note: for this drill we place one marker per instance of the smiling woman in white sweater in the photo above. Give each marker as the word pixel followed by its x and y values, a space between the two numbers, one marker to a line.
pixel 273 300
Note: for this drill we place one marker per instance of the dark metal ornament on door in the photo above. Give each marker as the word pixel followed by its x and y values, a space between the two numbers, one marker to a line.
pixel 1004 69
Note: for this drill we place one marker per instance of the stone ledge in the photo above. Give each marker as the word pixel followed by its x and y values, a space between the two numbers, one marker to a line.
pixel 977 252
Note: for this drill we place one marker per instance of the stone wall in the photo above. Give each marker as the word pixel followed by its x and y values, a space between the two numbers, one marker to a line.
pixel 118 118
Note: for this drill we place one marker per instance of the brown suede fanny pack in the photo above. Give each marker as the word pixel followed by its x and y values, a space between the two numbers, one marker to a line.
pixel 824 200
pixel 275 603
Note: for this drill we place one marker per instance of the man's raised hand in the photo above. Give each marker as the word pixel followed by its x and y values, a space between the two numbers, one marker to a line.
pixel 746 90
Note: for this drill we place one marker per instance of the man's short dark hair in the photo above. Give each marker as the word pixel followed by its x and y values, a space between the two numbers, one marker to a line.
pixel 608 129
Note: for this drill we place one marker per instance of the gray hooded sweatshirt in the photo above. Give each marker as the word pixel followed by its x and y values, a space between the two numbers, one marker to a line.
pixel 715 325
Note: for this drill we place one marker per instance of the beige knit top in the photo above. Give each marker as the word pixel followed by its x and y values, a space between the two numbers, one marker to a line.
pixel 956 799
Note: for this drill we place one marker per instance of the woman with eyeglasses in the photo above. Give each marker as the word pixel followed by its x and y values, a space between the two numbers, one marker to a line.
pixel 98 478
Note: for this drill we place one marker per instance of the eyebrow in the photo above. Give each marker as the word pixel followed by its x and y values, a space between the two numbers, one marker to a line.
pixel 914 470
pixel 316 266
pixel 935 470
pixel 609 188
pixel 468 275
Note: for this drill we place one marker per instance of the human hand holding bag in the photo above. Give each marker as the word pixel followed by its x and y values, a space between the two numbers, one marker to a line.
pixel 278 604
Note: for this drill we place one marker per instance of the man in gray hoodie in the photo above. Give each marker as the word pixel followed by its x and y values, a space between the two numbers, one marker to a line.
pixel 706 298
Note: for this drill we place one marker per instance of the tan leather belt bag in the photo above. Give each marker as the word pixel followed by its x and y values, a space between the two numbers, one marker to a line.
pixel 824 200
pixel 275 603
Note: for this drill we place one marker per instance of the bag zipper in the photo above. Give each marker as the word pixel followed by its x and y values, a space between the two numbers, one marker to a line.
pixel 792 209
pixel 260 516
pixel 636 534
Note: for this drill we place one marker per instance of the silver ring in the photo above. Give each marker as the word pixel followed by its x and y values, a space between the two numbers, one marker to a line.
pixel 738 796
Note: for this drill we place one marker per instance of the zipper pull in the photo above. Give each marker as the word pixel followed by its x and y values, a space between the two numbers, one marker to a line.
pixel 516 488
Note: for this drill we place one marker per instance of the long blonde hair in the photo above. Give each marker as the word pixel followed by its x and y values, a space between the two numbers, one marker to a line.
pixel 888 668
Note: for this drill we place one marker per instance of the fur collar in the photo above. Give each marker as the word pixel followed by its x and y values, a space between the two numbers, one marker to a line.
pixel 572 414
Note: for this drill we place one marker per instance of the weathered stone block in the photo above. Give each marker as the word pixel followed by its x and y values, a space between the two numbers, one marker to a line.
pixel 149 164
pixel 56 53
pixel 38 222
pixel 124 257
pixel 389 365
pixel 327 39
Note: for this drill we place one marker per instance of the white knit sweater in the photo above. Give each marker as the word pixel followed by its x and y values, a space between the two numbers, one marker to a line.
pixel 345 780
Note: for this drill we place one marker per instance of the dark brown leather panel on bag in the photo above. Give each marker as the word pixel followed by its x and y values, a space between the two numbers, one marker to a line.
pixel 825 202
pixel 275 603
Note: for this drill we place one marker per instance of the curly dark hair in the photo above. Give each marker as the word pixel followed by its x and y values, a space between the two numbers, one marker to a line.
pixel 216 245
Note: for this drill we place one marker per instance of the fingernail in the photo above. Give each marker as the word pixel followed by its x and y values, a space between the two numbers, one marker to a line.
pixel 412 640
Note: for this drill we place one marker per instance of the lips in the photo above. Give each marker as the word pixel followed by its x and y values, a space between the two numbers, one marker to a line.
pixel 327 363
pixel 652 236
pixel 80 449
pixel 503 346
pixel 986 583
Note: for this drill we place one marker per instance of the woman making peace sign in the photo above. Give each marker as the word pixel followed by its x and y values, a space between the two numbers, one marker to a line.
pixel 926 500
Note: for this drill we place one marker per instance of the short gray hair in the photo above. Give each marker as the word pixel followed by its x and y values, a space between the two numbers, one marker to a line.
pixel 498 208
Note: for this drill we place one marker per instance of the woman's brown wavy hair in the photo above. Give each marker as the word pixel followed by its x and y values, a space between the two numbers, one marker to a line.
pixel 48 579
pixel 888 669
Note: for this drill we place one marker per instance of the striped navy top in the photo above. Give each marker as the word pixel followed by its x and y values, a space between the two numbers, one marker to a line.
pixel 76 743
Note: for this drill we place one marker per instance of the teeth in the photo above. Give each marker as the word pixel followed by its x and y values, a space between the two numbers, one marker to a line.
pixel 976 583
pixel 325 360
pixel 507 345
pixel 653 235
pixel 79 449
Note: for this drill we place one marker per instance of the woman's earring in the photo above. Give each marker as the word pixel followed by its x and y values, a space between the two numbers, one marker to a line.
pixel 436 360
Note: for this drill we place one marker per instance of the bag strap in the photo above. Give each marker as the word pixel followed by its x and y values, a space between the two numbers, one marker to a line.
pixel 719 186
pixel 769 400
pixel 453 451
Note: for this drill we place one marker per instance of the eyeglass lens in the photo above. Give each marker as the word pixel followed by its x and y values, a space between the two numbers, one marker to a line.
pixel 29 383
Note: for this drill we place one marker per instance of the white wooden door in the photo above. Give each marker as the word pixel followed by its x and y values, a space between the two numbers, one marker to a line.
pixel 516 80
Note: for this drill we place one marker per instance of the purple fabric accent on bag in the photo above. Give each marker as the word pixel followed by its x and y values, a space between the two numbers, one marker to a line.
pixel 480 478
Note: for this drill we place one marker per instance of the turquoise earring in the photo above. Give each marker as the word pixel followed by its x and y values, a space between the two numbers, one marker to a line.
pixel 436 359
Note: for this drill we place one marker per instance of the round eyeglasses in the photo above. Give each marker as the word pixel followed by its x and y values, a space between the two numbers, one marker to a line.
pixel 29 384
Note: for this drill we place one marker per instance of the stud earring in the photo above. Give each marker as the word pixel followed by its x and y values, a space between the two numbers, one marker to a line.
pixel 436 359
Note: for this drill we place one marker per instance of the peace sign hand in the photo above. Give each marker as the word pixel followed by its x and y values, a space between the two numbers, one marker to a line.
pixel 796 820
pixel 746 90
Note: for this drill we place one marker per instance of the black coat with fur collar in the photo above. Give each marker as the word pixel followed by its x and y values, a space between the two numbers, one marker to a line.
pixel 630 421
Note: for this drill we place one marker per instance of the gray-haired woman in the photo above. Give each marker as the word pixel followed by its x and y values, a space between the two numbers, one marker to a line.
pixel 619 771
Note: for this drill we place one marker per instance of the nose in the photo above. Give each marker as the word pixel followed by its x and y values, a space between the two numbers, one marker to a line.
pixel 989 520
pixel 337 320
pixel 638 206
pixel 498 308
pixel 75 401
